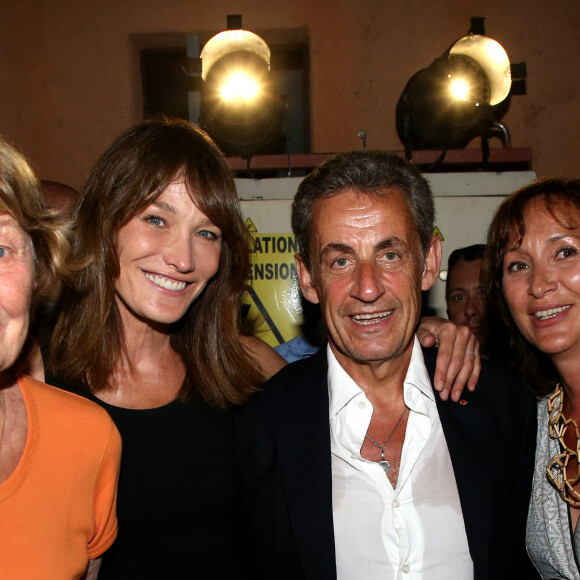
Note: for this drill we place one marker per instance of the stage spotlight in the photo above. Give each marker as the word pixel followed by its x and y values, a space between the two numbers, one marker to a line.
pixel 240 107
pixel 463 94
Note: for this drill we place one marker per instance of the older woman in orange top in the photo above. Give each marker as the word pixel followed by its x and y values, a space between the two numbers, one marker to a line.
pixel 59 453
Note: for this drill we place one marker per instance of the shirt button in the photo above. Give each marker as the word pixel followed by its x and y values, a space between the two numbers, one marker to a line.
pixel 362 405
pixel 406 568
pixel 396 504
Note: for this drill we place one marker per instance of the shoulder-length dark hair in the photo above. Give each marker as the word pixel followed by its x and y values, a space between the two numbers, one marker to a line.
pixel 88 339
pixel 561 198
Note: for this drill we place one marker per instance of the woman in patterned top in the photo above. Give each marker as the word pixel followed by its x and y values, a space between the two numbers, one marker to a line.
pixel 532 273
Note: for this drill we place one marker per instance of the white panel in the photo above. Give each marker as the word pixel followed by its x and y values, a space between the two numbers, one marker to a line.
pixel 277 188
pixel 442 184
pixel 483 183
pixel 269 216
pixel 462 221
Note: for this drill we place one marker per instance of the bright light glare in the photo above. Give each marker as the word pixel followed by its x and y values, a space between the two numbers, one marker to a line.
pixel 235 35
pixel 239 86
pixel 496 52
pixel 460 90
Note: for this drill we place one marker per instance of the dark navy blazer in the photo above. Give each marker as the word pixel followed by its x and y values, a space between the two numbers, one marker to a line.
pixel 283 438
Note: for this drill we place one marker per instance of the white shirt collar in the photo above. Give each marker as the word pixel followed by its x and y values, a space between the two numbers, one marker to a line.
pixel 342 388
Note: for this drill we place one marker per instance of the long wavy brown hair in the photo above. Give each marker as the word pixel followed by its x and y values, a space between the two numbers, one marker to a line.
pixel 88 340
pixel 561 198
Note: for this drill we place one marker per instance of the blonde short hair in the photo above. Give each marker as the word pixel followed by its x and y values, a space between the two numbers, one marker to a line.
pixel 21 197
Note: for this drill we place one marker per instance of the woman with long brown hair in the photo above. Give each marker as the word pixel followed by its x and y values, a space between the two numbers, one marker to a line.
pixel 150 330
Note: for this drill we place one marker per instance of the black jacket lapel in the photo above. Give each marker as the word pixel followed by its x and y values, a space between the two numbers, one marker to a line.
pixel 301 430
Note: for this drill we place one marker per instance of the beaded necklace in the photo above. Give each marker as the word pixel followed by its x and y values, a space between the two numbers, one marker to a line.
pixel 557 468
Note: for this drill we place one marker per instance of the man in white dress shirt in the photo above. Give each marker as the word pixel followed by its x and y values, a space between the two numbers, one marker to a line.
pixel 379 474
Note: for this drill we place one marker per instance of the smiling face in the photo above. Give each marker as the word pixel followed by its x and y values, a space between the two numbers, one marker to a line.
pixel 16 285
pixel 541 280
pixel 466 297
pixel 367 273
pixel 167 254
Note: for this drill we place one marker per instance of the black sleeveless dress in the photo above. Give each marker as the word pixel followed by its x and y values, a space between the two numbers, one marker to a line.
pixel 178 509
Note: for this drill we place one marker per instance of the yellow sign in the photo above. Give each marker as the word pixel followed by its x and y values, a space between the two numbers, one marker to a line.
pixel 271 300
pixel 250 226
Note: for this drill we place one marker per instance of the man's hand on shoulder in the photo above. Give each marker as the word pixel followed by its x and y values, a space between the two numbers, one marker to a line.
pixel 458 363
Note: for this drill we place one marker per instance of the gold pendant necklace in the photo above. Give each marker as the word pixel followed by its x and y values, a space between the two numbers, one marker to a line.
pixel 557 468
